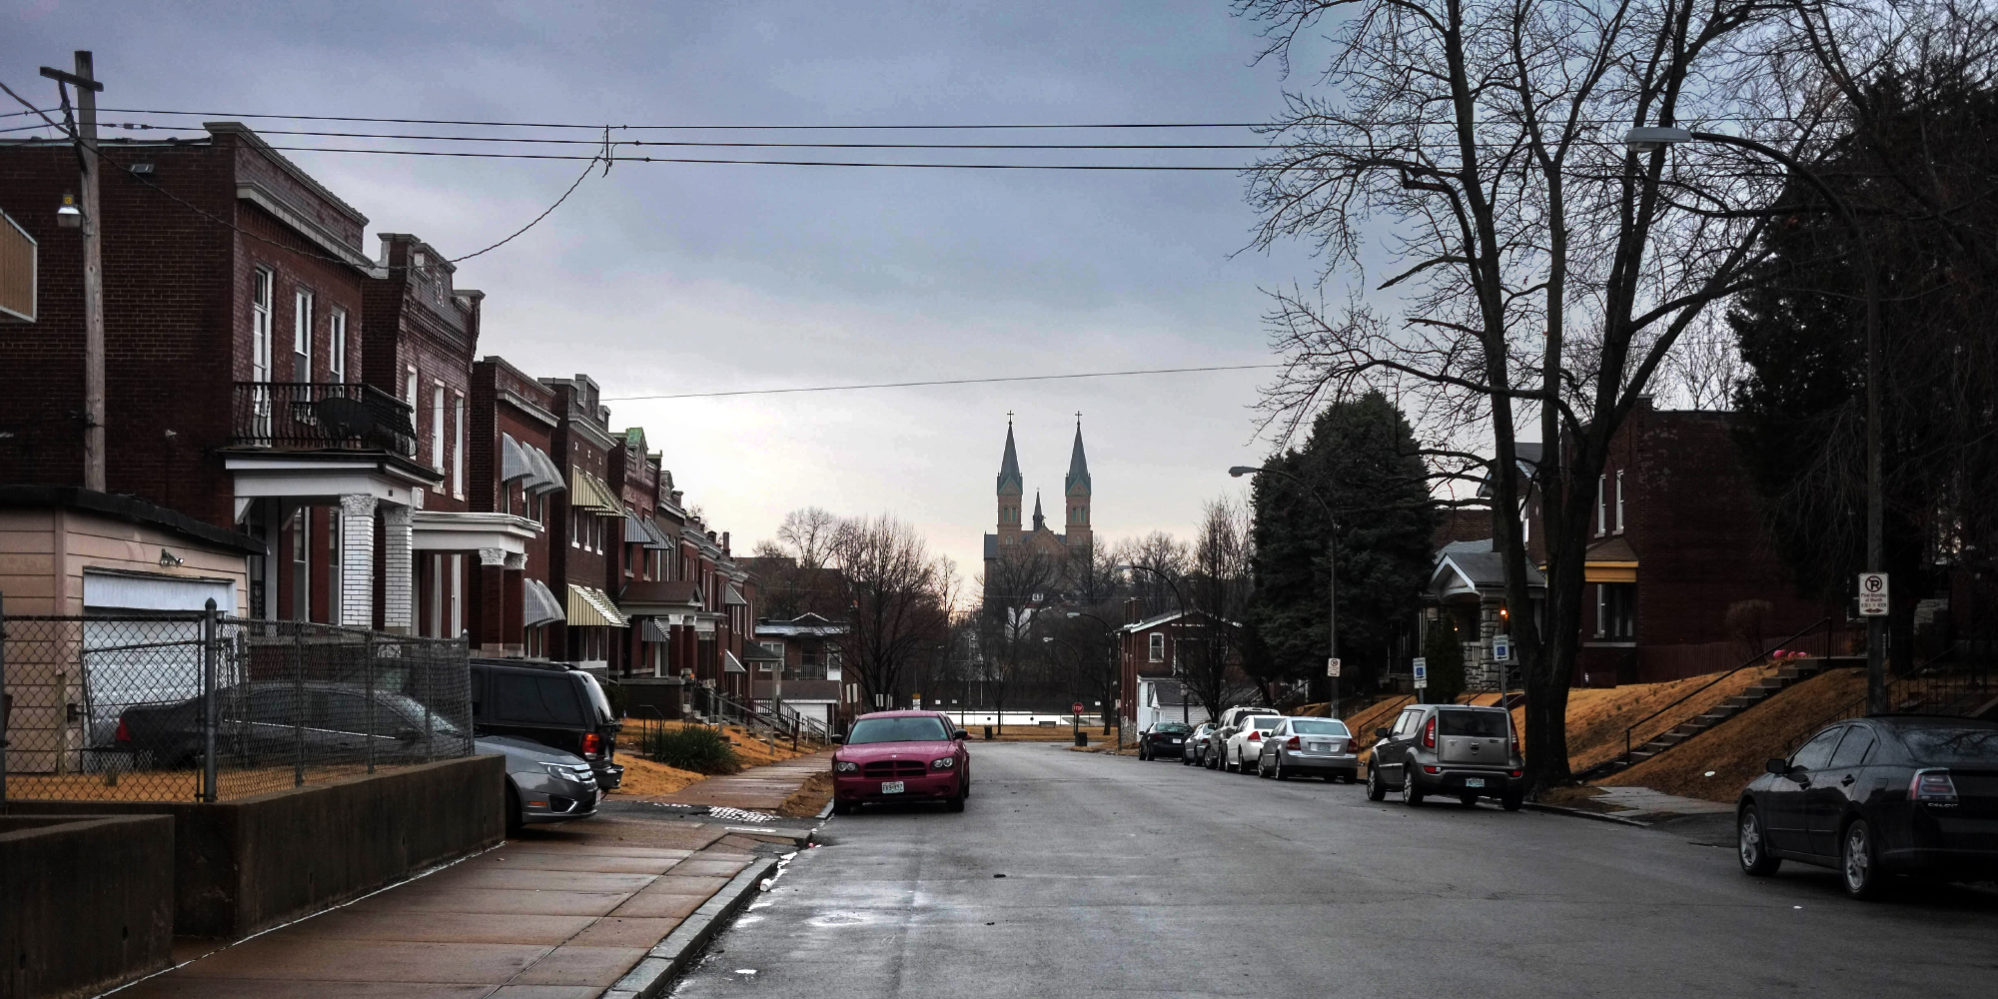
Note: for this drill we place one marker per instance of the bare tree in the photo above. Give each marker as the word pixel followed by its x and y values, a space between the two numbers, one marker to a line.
pixel 809 534
pixel 1217 591
pixel 897 597
pixel 1535 271
pixel 1017 586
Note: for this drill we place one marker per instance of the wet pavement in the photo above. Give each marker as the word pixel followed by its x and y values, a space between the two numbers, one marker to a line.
pixel 1077 875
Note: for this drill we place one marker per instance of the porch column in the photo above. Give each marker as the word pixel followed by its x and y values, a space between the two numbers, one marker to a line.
pixel 357 561
pixel 490 629
pixel 398 577
pixel 513 615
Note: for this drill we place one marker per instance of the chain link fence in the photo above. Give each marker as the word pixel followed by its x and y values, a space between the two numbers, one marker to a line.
pixel 173 706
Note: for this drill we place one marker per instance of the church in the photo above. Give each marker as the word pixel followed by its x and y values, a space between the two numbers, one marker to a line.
pixel 1039 544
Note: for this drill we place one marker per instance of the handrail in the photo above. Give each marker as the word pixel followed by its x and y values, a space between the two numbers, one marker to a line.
pixel 1758 657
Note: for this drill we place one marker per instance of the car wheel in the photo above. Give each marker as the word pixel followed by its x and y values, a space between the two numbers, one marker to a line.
pixel 1375 792
pixel 1141 753
pixel 1751 847
pixel 956 803
pixel 1859 866
pixel 1514 800
pixel 1410 794
pixel 1277 771
pixel 1185 760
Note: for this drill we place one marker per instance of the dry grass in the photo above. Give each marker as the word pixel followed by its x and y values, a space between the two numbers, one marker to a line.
pixel 645 779
pixel 1597 717
pixel 808 800
pixel 1582 798
pixel 1735 750
pixel 176 785
pixel 753 749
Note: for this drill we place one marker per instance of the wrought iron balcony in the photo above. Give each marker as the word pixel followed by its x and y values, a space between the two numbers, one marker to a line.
pixel 321 416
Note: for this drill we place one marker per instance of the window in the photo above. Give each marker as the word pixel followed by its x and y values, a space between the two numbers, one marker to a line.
pixel 1853 749
pixel 1817 752
pixel 1616 611
pixel 458 445
pixel 1406 723
pixel 1602 514
pixel 336 345
pixel 409 389
pixel 301 336
pixel 1158 647
pixel 260 325
pixel 1525 523
pixel 1619 501
pixel 437 426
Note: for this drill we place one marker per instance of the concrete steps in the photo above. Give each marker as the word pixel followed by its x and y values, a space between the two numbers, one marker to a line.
pixel 1784 678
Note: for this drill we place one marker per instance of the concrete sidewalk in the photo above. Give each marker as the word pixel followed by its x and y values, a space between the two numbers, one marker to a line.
pixel 564 912
pixel 758 789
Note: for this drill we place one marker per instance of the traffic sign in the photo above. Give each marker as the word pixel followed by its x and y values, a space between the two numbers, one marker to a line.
pixel 1421 673
pixel 1502 648
pixel 1076 707
pixel 1873 594
pixel 1332 667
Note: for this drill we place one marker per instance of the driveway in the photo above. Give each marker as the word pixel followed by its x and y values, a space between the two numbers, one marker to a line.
pixel 1073 874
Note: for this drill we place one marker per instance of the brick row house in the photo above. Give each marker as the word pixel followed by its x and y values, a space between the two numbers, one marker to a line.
pixel 268 377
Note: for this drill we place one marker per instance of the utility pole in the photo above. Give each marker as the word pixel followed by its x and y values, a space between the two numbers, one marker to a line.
pixel 87 89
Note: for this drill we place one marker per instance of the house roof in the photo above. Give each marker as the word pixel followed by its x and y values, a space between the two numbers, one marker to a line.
pixel 1167 618
pixel 1472 566
pixel 1616 549
pixel 131 510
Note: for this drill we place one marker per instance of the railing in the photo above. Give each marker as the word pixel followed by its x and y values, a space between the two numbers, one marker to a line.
pixel 318 416
pixel 1753 660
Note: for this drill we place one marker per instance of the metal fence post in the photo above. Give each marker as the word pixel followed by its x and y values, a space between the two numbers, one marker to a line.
pixel 299 712
pixel 209 616
pixel 368 667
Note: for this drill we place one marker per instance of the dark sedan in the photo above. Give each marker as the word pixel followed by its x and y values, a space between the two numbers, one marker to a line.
pixel 1875 797
pixel 1165 740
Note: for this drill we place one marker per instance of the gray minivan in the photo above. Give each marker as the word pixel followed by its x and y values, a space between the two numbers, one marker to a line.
pixel 1449 749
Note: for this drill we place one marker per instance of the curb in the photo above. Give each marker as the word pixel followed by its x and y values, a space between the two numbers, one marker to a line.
pixel 1580 814
pixel 671 956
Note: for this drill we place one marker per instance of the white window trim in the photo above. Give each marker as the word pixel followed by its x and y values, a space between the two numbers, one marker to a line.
pixel 409 388
pixel 261 344
pixel 1602 510
pixel 1619 501
pixel 1602 608
pixel 336 347
pixel 437 428
pixel 458 445
pixel 1155 647
pixel 301 331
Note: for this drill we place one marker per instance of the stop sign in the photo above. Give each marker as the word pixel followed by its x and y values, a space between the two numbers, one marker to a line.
pixel 1076 708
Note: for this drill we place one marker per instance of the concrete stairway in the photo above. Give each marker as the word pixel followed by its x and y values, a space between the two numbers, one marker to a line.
pixel 1784 678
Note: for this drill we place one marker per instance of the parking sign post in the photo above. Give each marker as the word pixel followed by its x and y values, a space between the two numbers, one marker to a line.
pixel 1421 677
pixel 1873 594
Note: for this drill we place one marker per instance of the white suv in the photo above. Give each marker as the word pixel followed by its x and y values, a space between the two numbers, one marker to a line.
pixel 1243 741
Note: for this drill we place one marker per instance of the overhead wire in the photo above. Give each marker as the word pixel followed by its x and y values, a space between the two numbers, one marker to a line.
pixel 924 383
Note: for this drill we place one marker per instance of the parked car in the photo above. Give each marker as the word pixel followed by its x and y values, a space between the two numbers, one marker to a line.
pixel 1194 750
pixel 1449 749
pixel 901 756
pixel 1876 797
pixel 1226 726
pixel 543 784
pixel 1245 742
pixel 269 722
pixel 1164 740
pixel 1309 747
pixel 555 704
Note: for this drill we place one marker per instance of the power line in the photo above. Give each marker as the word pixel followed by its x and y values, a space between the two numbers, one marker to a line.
pixel 944 381
pixel 144 126
pixel 740 162
pixel 599 126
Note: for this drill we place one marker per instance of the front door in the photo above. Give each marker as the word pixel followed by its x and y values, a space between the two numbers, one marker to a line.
pixel 1785 801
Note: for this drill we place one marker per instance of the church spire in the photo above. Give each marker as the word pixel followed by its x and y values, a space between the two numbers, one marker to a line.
pixel 1039 521
pixel 1078 464
pixel 1009 463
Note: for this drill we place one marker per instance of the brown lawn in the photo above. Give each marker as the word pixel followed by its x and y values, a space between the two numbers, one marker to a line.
pixel 1736 750
pixel 808 800
pixel 175 785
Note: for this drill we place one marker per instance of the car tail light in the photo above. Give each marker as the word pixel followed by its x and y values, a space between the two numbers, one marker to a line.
pixel 1255 737
pixel 1516 754
pixel 1293 743
pixel 1517 774
pixel 1432 770
pixel 592 744
pixel 124 734
pixel 1933 787
pixel 1429 734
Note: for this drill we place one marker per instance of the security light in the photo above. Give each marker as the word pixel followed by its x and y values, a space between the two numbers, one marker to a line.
pixel 1644 140
pixel 69 216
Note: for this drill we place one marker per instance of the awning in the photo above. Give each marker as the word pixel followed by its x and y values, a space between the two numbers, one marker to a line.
pixel 547 477
pixel 641 530
pixel 514 462
pixel 590 607
pixel 734 597
pixel 1609 572
pixel 587 492
pixel 650 630
pixel 538 605
pixel 730 664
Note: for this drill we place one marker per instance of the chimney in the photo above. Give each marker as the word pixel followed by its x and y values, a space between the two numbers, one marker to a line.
pixel 1130 610
pixel 724 542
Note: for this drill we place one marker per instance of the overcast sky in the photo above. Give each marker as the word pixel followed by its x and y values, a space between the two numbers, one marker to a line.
pixel 662 279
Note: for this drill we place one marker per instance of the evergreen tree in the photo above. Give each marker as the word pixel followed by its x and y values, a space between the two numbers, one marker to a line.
pixel 1443 652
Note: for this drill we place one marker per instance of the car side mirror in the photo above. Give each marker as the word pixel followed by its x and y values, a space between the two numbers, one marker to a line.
pixel 1777 765
pixel 960 735
pixel 839 740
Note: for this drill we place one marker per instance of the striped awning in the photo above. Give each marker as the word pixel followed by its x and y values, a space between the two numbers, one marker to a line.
pixel 538 605
pixel 730 663
pixel 590 607
pixel 587 492
pixel 650 630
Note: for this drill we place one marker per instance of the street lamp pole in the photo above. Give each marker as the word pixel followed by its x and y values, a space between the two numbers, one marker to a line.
pixel 1185 711
pixel 1331 571
pixel 1116 674
pixel 1644 140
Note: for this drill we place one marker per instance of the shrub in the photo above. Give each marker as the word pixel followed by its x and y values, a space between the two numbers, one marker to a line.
pixel 701 750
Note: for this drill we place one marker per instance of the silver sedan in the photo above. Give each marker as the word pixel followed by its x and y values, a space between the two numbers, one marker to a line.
pixel 1315 747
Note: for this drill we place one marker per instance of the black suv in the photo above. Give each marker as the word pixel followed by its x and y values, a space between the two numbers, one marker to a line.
pixel 554 704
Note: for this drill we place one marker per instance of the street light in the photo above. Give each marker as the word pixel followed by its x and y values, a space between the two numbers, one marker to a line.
pixel 1185 712
pixel 1116 672
pixel 1654 139
pixel 1331 570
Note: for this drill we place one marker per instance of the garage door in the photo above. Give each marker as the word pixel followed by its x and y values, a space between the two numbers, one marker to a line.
pixel 138 647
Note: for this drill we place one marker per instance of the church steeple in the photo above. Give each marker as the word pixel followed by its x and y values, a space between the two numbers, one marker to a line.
pixel 1077 490
pixel 1010 487
pixel 1039 521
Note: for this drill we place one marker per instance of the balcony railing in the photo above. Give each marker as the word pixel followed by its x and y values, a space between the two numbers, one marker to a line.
pixel 321 416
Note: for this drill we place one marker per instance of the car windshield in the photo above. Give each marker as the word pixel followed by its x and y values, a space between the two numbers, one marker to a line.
pixel 1264 723
pixel 1318 726
pixel 1952 745
pixel 1172 728
pixel 910 729
pixel 1482 724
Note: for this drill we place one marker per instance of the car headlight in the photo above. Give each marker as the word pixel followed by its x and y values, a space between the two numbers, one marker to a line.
pixel 944 764
pixel 845 767
pixel 561 770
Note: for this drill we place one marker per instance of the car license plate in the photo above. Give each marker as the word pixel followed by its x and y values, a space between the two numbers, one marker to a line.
pixel 891 787
pixel 1316 747
pixel 1474 782
pixel 1175 742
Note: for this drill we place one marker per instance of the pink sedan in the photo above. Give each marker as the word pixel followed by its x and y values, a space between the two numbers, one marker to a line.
pixel 901 756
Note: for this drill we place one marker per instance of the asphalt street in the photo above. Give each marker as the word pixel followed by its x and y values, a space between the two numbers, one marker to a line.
pixel 1075 874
